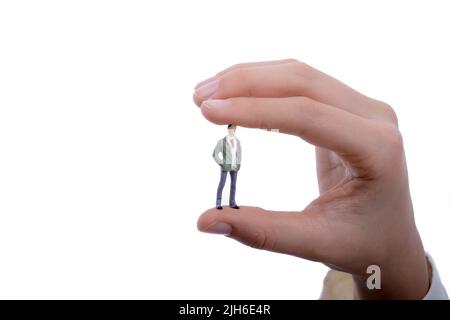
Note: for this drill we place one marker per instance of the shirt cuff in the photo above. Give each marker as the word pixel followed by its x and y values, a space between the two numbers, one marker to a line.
pixel 436 290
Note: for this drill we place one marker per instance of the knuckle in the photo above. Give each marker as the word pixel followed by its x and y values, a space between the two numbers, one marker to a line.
pixel 389 113
pixel 301 69
pixel 393 139
pixel 391 150
pixel 261 240
pixel 292 60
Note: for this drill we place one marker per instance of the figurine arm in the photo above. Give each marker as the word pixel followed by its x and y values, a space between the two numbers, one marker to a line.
pixel 217 151
pixel 239 153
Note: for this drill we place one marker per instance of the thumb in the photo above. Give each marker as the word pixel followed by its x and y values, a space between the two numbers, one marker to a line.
pixel 295 233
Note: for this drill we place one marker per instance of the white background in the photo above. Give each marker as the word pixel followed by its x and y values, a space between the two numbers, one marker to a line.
pixel 105 162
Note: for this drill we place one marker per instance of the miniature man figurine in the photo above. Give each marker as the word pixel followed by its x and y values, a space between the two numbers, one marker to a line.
pixel 230 148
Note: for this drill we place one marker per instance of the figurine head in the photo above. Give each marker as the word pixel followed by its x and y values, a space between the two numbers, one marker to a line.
pixel 231 129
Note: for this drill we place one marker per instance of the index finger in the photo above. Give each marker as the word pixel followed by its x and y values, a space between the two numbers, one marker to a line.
pixel 352 136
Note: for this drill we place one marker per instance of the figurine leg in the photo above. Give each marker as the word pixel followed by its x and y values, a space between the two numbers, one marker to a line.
pixel 223 178
pixel 233 175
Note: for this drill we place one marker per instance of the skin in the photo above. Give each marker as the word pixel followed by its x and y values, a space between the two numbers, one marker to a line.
pixel 364 214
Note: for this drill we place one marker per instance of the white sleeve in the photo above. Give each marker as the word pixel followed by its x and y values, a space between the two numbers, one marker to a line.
pixel 436 290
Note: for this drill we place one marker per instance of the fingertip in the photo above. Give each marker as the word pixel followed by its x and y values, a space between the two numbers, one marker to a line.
pixel 202 83
pixel 230 216
pixel 205 219
pixel 208 112
pixel 213 215
pixel 197 100
pixel 217 111
pixel 210 222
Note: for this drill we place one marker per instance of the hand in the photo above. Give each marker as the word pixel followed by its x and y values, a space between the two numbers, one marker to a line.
pixel 364 215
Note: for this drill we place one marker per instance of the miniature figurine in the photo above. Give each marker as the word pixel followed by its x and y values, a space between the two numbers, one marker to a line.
pixel 230 149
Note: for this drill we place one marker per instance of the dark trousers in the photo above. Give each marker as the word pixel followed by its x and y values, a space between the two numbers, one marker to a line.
pixel 223 179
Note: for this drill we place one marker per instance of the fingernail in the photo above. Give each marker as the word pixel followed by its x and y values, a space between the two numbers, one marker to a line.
pixel 216 103
pixel 207 90
pixel 202 83
pixel 218 228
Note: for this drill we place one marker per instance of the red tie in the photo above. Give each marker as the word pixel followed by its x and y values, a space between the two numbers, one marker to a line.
pixel 232 143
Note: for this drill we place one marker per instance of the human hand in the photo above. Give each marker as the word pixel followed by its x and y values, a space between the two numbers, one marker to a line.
pixel 364 214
